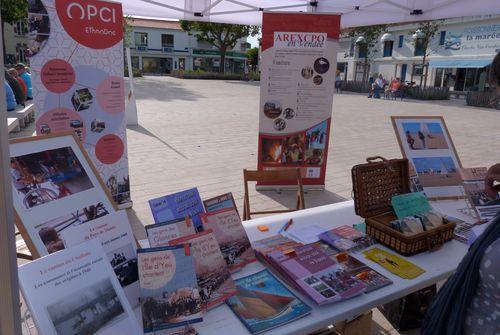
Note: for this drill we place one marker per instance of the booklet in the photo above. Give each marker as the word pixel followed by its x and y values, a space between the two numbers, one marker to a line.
pixel 177 206
pixel 116 236
pixel 75 291
pixel 169 291
pixel 222 201
pixel 486 207
pixel 214 279
pixel 231 236
pixel 263 303
pixel 346 238
pixel 160 234
pixel 317 274
pixel 394 263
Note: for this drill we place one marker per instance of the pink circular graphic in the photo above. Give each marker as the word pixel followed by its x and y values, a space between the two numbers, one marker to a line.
pixel 58 120
pixel 58 76
pixel 110 95
pixel 109 149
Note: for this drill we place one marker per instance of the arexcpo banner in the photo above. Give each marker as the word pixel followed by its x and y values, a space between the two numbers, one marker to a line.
pixel 76 57
pixel 298 66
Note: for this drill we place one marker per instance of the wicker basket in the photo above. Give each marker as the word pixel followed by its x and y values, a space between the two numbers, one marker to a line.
pixel 374 185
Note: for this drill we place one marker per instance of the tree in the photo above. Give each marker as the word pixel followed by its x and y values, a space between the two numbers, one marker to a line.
pixel 128 28
pixel 366 44
pixel 422 38
pixel 222 35
pixel 253 58
pixel 12 11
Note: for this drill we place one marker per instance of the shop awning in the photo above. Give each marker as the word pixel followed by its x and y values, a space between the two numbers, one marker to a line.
pixel 470 63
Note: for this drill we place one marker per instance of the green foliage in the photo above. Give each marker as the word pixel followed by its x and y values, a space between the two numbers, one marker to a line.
pixel 428 30
pixel 371 35
pixel 222 35
pixel 253 57
pixel 200 74
pixel 127 30
pixel 13 10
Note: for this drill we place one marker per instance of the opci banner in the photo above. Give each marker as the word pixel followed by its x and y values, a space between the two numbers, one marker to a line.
pixel 77 72
pixel 296 93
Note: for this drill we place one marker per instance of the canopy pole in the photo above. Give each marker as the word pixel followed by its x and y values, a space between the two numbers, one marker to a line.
pixel 10 316
pixel 131 108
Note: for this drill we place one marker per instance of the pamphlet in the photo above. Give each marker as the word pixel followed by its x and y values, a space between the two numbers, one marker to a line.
pixel 346 238
pixel 305 234
pixel 231 236
pixel 160 234
pixel 177 206
pixel 394 263
pixel 214 279
pixel 169 291
pixel 222 201
pixel 485 206
pixel 410 204
pixel 75 291
pixel 116 236
pixel 263 303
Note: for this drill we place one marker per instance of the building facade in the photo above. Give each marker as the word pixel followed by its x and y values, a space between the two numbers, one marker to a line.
pixel 458 56
pixel 160 46
pixel 16 42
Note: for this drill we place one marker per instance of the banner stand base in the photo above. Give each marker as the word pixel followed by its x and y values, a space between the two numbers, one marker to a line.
pixel 126 205
pixel 279 188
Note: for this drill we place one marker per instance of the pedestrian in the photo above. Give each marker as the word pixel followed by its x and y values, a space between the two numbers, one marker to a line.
pixel 21 70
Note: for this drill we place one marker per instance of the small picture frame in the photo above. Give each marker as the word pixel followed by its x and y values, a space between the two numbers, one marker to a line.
pixel 55 187
pixel 427 144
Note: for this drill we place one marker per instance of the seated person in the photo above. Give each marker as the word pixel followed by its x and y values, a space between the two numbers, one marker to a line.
pixel 26 77
pixel 10 98
pixel 395 85
pixel 16 88
pixel 377 86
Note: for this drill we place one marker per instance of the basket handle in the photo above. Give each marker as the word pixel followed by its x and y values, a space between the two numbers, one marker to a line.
pixel 434 242
pixel 376 158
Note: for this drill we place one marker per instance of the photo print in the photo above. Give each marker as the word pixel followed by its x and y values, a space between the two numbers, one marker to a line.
pixel 123 260
pixel 317 80
pixel 272 109
pixel 286 150
pixel 321 65
pixel 38 27
pixel 42 177
pixel 424 135
pixel 436 171
pixel 307 72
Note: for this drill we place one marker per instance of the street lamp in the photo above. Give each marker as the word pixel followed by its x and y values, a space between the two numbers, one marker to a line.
pixel 387 37
pixel 360 40
pixel 418 34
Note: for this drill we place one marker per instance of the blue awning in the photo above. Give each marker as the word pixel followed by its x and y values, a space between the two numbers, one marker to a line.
pixel 471 63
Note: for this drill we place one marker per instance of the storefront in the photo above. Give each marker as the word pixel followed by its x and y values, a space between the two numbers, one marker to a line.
pixel 209 60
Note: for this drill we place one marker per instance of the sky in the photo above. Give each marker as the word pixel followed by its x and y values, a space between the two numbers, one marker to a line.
pixel 253 40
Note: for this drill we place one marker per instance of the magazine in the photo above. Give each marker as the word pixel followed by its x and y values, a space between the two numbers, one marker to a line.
pixel 214 279
pixel 75 291
pixel 485 207
pixel 317 274
pixel 222 201
pixel 160 234
pixel 394 263
pixel 177 206
pixel 346 238
pixel 116 236
pixel 231 236
pixel 169 291
pixel 263 303
pixel 274 243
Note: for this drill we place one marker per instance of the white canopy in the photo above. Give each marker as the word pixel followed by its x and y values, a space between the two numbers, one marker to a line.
pixel 354 12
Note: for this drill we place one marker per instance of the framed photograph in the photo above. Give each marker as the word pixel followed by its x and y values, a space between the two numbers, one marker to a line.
pixel 427 144
pixel 55 188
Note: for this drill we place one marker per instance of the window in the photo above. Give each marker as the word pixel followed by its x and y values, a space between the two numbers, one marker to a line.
pixel 418 70
pixel 362 53
pixel 167 40
pixel 442 37
pixel 401 40
pixel 20 28
pixel 388 48
pixel 141 39
pixel 419 47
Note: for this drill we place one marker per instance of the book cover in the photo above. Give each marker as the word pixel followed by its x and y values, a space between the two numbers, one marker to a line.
pixel 273 243
pixel 160 234
pixel 346 238
pixel 485 206
pixel 116 237
pixel 231 236
pixel 222 201
pixel 263 303
pixel 169 291
pixel 317 274
pixel 75 291
pixel 177 206
pixel 214 279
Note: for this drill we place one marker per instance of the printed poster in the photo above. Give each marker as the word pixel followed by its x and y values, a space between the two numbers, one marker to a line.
pixel 76 57
pixel 296 94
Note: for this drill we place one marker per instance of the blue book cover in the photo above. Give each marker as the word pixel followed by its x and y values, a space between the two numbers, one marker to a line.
pixel 169 289
pixel 263 303
pixel 177 206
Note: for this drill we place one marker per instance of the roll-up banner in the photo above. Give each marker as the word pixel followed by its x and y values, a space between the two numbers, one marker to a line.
pixel 298 65
pixel 76 57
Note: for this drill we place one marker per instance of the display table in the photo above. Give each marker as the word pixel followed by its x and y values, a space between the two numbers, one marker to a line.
pixel 438 265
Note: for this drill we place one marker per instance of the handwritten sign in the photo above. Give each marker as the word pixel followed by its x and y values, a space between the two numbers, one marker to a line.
pixel 410 204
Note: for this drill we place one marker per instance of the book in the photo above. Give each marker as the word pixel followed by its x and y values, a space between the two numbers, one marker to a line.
pixel 346 238
pixel 222 201
pixel 75 291
pixel 394 263
pixel 116 237
pixel 485 206
pixel 231 236
pixel 159 234
pixel 317 275
pixel 273 243
pixel 169 290
pixel 178 206
pixel 263 303
pixel 214 279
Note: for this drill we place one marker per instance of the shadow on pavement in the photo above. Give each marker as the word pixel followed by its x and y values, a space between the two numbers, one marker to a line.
pixel 312 198
pixel 140 129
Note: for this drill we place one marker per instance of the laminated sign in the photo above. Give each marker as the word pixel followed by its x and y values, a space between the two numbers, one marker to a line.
pixel 76 55
pixel 298 70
